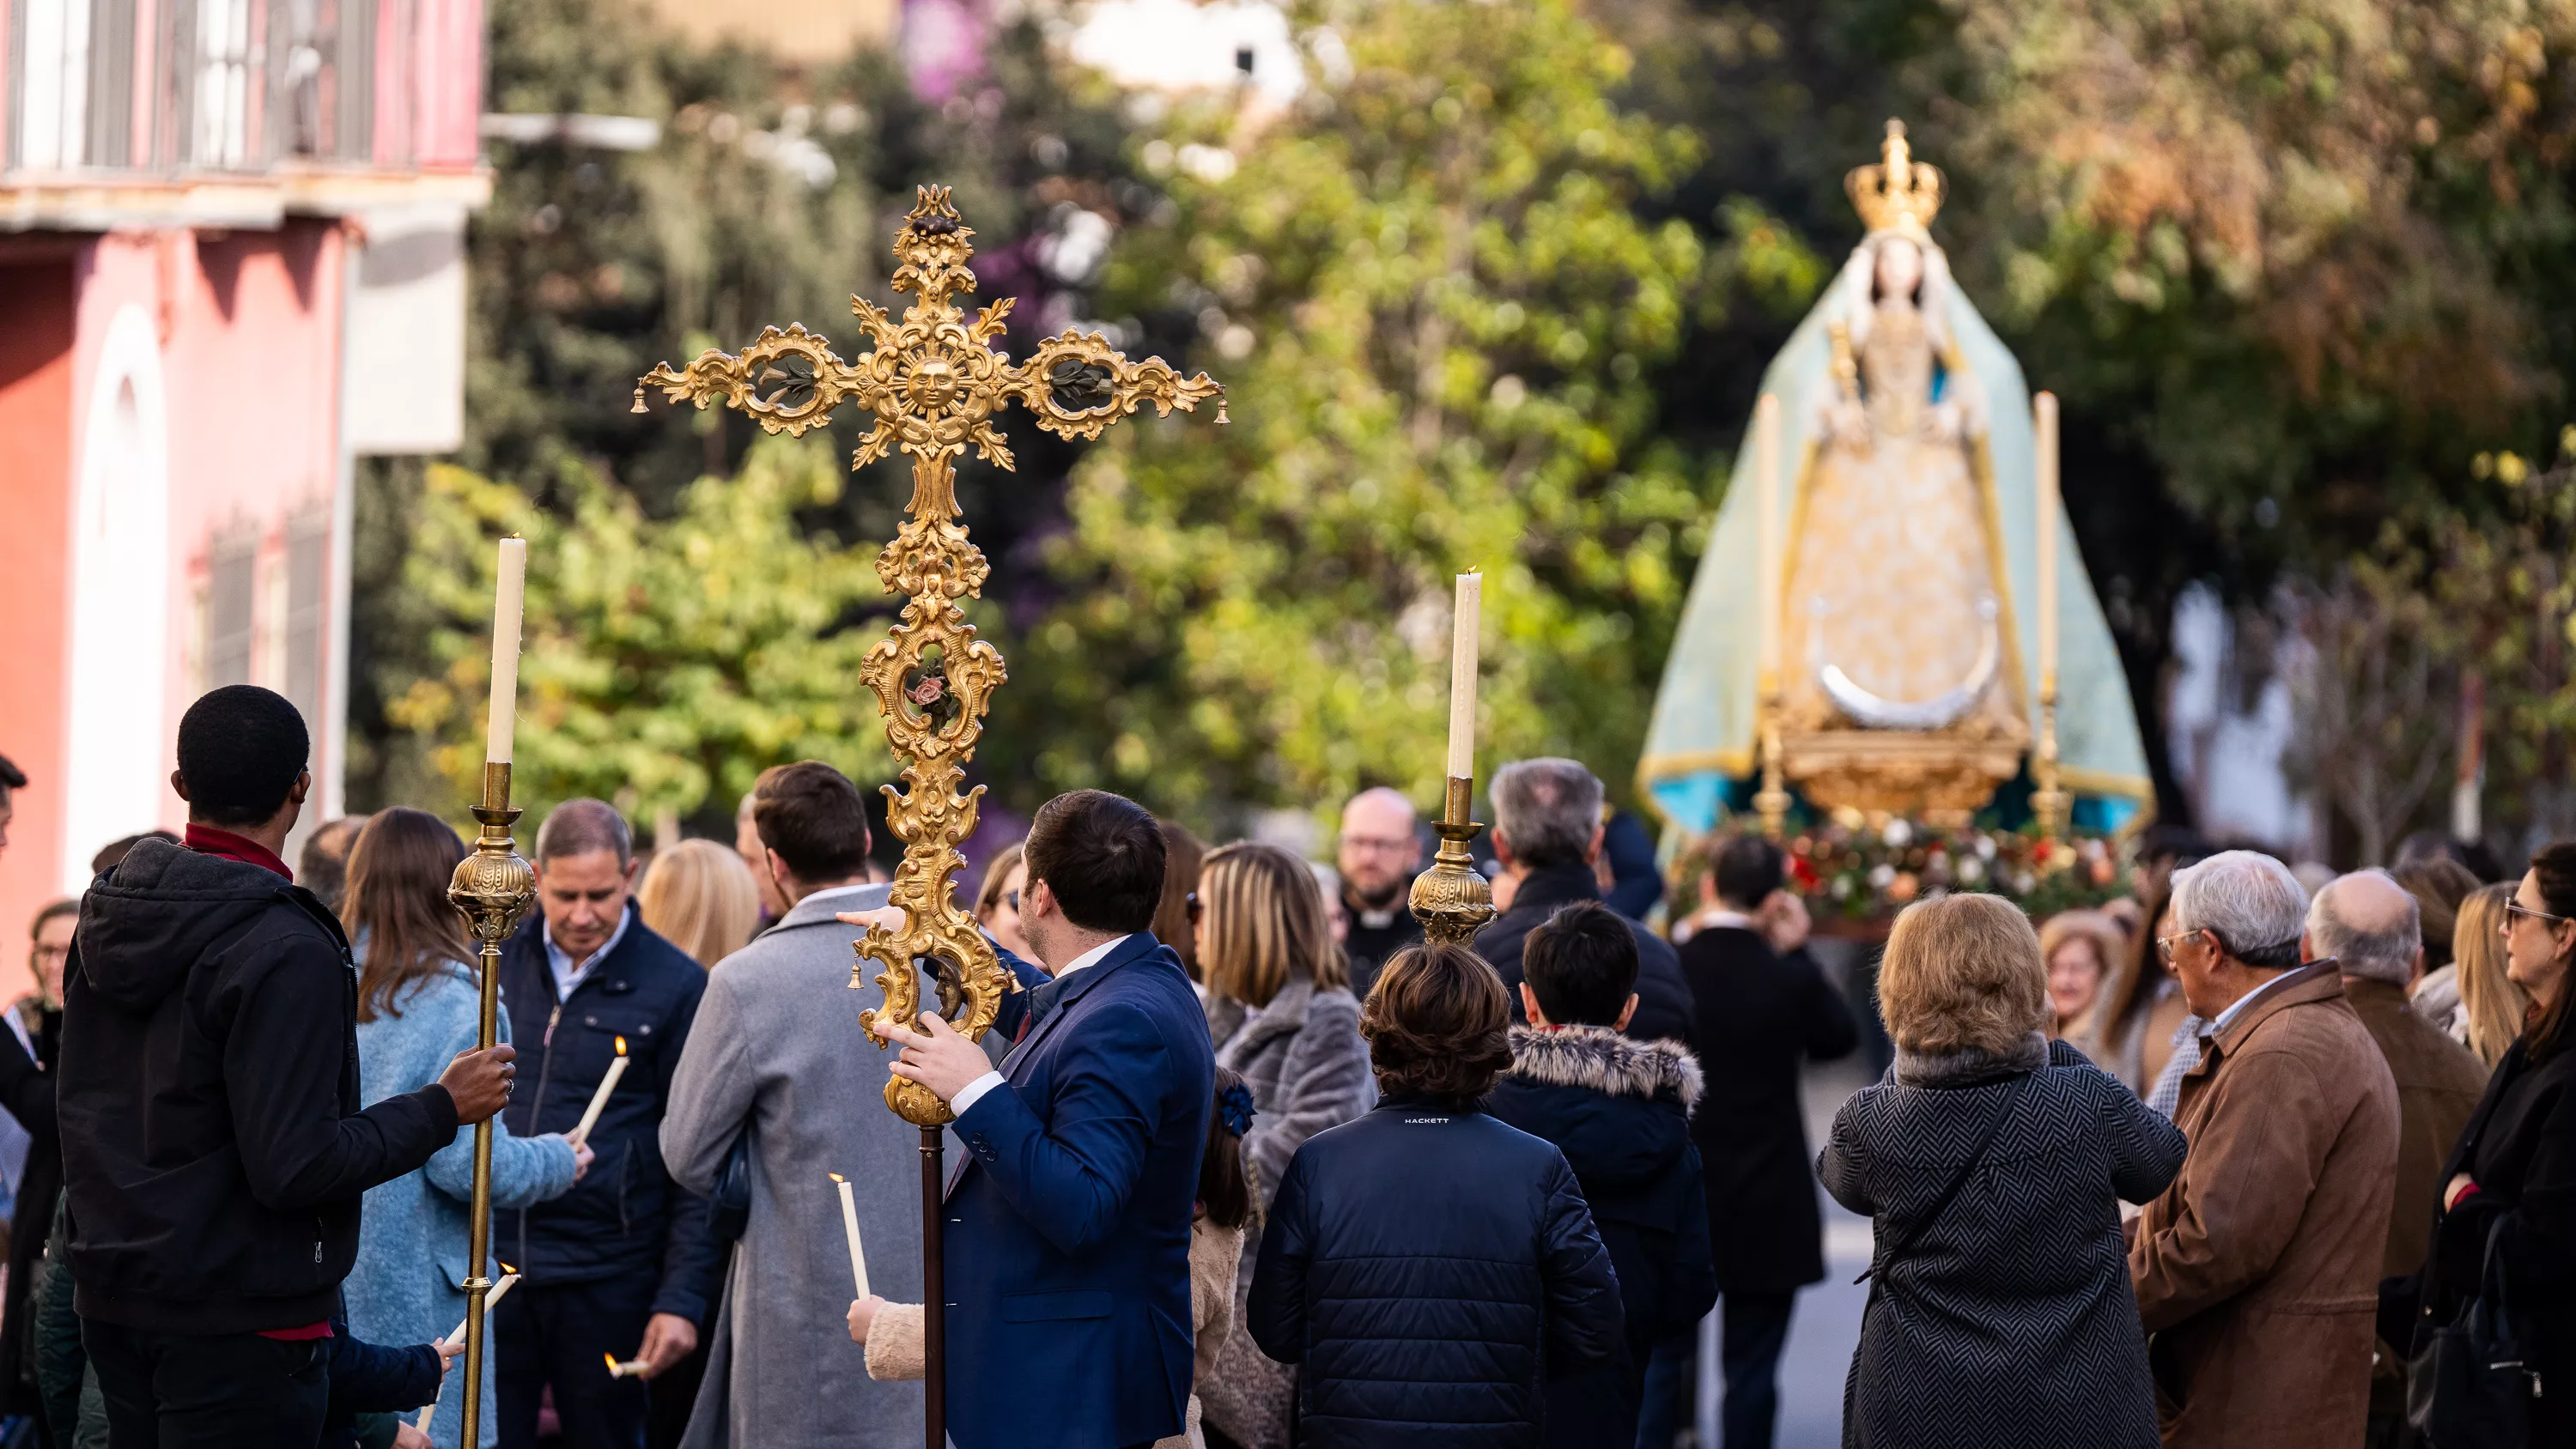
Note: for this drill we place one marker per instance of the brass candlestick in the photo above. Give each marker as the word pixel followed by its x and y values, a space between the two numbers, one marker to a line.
pixel 933 381
pixel 1451 901
pixel 2049 803
pixel 1771 802
pixel 493 888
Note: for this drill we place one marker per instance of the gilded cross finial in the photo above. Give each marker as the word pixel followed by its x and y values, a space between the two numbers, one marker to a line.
pixel 933 380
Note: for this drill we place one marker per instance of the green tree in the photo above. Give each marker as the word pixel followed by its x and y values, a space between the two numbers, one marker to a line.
pixel 2310 251
pixel 1434 305
pixel 666 662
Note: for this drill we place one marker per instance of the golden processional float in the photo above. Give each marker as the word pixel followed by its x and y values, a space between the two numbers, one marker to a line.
pixel 1884 626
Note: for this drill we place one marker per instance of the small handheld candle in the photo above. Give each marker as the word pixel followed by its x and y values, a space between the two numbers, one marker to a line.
pixel 850 1229
pixel 599 1099
pixel 628 1369
pixel 499 1291
pixel 491 1300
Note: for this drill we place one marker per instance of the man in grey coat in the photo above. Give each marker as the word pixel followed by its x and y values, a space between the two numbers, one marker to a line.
pixel 777 1052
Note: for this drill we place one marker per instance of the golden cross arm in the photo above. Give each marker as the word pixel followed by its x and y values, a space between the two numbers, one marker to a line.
pixel 932 380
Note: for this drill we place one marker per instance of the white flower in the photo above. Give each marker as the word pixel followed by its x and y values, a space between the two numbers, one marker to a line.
pixel 1972 870
pixel 1882 875
pixel 1841 887
pixel 1985 847
pixel 1897 833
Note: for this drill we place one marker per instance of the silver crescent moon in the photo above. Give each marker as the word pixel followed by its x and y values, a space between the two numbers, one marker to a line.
pixel 1940 711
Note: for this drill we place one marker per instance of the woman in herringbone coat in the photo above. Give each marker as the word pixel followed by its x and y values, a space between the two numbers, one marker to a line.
pixel 1276 982
pixel 1992 1163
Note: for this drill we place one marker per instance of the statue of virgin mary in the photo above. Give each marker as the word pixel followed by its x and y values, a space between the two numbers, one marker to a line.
pixel 1906 555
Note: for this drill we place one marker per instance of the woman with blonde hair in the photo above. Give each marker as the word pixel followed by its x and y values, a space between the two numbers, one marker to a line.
pixel 997 900
pixel 2080 948
pixel 1281 1009
pixel 1993 1162
pixel 2138 1019
pixel 2491 1006
pixel 700 896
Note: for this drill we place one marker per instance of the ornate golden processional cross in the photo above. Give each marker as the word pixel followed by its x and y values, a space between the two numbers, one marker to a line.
pixel 934 382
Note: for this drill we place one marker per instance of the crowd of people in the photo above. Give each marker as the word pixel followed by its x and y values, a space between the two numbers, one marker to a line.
pixel 1246 1163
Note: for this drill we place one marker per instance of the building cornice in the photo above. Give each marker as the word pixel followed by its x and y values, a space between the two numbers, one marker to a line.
pixel 106 201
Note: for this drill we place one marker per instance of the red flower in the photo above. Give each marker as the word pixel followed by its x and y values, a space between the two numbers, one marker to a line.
pixel 1803 872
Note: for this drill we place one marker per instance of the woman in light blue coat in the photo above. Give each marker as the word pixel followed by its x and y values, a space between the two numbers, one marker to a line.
pixel 417 1005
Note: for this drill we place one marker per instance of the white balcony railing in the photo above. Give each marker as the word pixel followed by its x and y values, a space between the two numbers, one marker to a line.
pixel 216 86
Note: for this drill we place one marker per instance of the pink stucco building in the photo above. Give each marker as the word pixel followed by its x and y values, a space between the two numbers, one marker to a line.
pixel 230 263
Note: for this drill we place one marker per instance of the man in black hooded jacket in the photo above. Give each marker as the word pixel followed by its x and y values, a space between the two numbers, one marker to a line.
pixel 213 1152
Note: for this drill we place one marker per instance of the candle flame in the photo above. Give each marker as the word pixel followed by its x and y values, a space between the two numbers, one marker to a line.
pixel 621 1051
pixel 836 1177
pixel 611 1360
pixel 506 1268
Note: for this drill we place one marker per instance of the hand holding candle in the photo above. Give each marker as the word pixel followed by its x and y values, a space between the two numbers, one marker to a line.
pixel 1462 677
pixel 628 1369
pixel 506 610
pixel 599 1099
pixel 850 1229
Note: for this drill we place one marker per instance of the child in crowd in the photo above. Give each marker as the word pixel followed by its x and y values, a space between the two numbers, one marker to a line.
pixel 1620 1112
pixel 1427 1266
pixel 892 1332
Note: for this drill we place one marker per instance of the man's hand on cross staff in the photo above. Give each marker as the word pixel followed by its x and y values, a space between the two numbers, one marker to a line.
pixel 936 1056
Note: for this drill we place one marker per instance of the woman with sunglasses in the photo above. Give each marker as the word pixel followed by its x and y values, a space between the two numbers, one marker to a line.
pixel 2510 1186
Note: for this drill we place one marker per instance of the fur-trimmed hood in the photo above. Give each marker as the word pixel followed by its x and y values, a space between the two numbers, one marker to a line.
pixel 1601 1060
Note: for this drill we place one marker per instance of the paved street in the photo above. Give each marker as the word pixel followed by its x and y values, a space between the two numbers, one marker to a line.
pixel 1828 1320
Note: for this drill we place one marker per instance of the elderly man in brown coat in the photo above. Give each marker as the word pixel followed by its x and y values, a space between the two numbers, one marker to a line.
pixel 2369 926
pixel 2257 1271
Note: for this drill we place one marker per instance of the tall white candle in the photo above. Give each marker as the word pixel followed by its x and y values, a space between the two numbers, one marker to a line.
pixel 507 605
pixel 599 1099
pixel 850 1230
pixel 1766 486
pixel 2051 508
pixel 1462 677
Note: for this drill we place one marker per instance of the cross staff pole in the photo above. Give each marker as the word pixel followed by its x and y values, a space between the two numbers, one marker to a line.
pixel 933 381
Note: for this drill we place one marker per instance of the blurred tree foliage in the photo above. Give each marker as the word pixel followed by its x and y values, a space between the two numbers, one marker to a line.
pixel 2450 622
pixel 1434 305
pixel 1497 290
pixel 666 662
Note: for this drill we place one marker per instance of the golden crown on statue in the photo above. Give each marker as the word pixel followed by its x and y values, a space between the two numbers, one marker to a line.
pixel 1898 194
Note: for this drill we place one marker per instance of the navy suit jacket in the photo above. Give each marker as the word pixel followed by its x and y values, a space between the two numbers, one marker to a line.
pixel 1068 1244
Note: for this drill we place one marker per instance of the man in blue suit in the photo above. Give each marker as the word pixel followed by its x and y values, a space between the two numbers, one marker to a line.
pixel 1068 1240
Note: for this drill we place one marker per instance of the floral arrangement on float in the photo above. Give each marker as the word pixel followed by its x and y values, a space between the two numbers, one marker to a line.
pixel 1863 871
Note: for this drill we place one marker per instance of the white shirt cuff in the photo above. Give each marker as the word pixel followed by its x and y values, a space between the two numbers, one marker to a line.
pixel 973 1092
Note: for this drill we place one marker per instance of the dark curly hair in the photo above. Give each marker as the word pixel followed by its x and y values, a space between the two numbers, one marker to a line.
pixel 1437 1024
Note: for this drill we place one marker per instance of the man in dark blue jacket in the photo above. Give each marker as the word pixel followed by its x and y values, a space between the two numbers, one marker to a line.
pixel 1069 1226
pixel 1620 1112
pixel 622 1266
